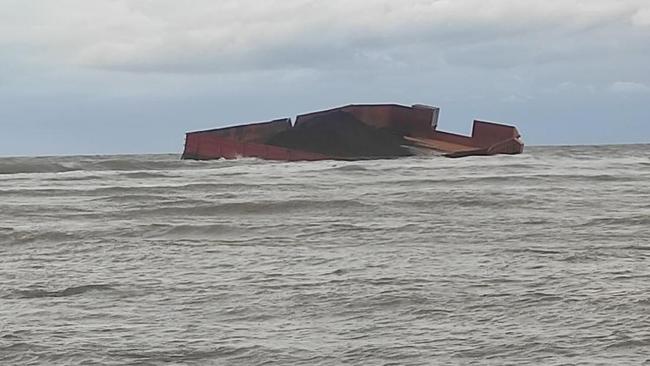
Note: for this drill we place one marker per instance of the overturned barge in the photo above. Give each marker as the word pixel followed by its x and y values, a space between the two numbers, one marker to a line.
pixel 352 132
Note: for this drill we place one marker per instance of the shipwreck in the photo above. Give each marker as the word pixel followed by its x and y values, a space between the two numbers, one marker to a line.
pixel 352 132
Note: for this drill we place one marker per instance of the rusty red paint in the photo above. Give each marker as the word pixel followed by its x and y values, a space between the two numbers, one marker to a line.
pixel 205 146
pixel 417 123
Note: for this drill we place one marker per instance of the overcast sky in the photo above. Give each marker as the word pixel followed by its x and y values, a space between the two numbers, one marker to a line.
pixel 131 76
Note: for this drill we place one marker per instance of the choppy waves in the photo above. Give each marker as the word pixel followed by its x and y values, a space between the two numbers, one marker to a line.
pixel 534 259
pixel 70 291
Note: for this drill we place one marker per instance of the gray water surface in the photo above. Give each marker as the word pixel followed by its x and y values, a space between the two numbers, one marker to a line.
pixel 541 258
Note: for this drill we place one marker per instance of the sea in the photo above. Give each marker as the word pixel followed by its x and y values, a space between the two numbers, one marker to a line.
pixel 536 259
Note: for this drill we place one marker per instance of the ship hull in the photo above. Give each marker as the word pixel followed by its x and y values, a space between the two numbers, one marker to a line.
pixel 352 132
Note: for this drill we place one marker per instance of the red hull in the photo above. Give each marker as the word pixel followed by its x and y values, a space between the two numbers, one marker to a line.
pixel 417 125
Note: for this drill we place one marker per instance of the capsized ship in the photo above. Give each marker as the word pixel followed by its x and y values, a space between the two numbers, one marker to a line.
pixel 352 132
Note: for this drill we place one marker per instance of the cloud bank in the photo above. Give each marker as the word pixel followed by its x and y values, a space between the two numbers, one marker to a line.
pixel 235 35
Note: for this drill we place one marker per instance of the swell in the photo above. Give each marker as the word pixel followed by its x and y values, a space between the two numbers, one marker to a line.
pixel 631 220
pixel 252 207
pixel 70 291
pixel 190 355
pixel 509 177
pixel 149 199
pixel 10 236
pixel 187 231
pixel 112 163
pixel 165 189
pixel 487 201
pixel 17 167
pixel 130 175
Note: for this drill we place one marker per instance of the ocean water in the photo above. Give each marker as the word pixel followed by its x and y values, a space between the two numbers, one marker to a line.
pixel 542 258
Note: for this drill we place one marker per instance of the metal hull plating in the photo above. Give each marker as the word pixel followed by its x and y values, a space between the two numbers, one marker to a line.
pixel 415 126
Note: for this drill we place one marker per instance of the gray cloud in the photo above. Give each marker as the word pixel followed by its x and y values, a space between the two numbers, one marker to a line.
pixel 81 66
pixel 233 35
pixel 629 87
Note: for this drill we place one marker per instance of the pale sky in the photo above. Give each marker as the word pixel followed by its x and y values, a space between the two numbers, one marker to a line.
pixel 131 76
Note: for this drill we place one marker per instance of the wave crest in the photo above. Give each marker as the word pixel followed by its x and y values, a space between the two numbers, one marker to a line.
pixel 70 291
